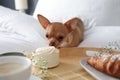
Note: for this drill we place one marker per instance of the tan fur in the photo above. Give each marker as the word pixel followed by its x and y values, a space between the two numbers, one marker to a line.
pixel 60 35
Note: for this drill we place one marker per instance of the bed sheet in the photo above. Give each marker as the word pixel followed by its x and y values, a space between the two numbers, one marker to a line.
pixel 10 43
pixel 101 36
pixel 16 43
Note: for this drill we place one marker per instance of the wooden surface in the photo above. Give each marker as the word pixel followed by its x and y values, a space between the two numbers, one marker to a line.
pixel 69 67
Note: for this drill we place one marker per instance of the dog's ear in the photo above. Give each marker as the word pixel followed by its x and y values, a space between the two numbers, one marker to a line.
pixel 71 23
pixel 44 21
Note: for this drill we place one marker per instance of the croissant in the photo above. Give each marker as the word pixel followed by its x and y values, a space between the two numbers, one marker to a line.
pixel 107 63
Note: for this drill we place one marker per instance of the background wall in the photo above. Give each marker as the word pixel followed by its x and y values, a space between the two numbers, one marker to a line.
pixel 10 4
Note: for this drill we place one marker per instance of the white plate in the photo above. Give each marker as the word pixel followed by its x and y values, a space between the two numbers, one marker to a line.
pixel 34 78
pixel 95 73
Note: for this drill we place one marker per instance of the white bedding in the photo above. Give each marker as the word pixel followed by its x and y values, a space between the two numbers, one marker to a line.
pixel 22 33
pixel 19 32
pixel 100 36
pixel 105 12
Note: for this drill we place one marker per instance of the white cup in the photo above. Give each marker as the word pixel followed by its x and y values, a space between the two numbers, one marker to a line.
pixel 15 68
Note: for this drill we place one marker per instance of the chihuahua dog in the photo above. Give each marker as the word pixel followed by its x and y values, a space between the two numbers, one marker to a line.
pixel 60 35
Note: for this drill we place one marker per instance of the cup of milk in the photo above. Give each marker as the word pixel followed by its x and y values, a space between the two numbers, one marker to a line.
pixel 15 68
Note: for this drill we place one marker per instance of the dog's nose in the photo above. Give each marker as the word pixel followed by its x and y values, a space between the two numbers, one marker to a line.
pixel 52 44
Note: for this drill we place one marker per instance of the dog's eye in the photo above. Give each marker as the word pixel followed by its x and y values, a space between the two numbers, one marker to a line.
pixel 60 37
pixel 47 35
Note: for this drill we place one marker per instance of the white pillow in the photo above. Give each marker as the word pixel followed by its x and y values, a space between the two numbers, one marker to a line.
pixel 59 11
pixel 20 27
pixel 106 12
pixel 20 24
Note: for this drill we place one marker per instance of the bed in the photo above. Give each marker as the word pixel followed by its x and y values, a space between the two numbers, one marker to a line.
pixel 20 32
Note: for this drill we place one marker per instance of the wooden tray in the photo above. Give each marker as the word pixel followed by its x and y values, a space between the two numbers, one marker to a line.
pixel 69 67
